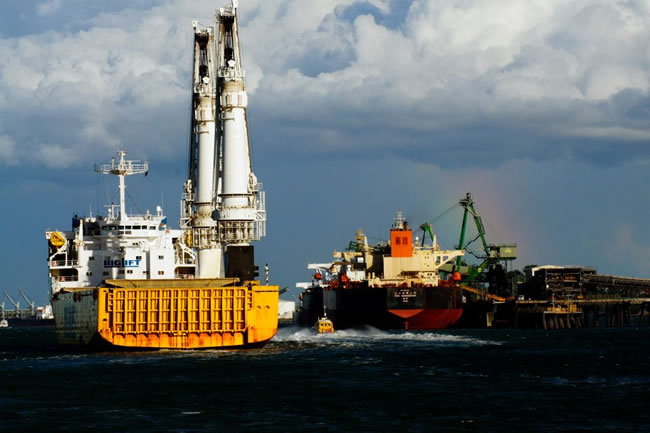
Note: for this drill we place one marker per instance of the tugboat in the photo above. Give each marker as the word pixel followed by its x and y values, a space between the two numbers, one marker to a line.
pixel 394 285
pixel 123 280
pixel 324 325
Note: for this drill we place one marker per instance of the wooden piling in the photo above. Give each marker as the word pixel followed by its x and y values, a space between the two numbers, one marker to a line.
pixel 641 310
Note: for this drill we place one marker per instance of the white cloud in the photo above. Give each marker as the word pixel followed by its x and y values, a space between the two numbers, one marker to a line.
pixel 84 90
pixel 605 80
pixel 7 150
pixel 48 7
pixel 551 68
pixel 469 71
pixel 55 156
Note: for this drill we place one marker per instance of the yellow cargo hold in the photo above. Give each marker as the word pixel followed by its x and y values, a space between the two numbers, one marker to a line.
pixel 187 317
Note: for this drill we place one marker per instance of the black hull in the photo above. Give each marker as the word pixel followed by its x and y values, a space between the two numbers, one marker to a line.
pixel 311 308
pixel 29 322
pixel 383 307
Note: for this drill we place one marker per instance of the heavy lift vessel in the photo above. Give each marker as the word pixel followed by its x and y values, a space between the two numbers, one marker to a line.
pixel 130 281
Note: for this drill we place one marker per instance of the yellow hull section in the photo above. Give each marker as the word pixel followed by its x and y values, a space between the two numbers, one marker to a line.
pixel 191 314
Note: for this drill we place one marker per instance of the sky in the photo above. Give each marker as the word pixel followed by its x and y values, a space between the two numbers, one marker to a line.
pixel 539 108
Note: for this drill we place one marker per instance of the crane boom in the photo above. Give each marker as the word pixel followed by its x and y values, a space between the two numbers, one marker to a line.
pixel 15 304
pixel 224 205
pixel 30 302
pixel 468 205
pixel 32 305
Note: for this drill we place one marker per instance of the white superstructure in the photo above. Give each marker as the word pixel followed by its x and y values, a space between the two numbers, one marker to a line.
pixel 224 204
pixel 117 246
pixel 222 207
pixel 386 264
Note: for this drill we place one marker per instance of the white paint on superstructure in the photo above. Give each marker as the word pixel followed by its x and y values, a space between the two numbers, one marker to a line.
pixel 118 246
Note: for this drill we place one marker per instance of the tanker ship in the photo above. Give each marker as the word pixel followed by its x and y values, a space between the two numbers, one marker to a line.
pixel 392 285
pixel 131 281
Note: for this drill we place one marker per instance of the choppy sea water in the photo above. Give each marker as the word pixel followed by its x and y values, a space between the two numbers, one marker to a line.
pixel 574 380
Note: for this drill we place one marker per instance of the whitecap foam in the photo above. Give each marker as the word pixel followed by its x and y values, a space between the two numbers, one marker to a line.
pixel 370 334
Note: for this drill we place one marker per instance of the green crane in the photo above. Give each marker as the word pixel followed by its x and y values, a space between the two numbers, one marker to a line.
pixel 468 204
pixel 493 253
pixel 427 228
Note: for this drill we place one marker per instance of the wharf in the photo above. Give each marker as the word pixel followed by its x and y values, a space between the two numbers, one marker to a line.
pixel 556 297
pixel 23 313
pixel 574 313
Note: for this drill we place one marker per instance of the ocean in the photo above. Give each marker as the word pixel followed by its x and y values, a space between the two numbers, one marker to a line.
pixel 570 380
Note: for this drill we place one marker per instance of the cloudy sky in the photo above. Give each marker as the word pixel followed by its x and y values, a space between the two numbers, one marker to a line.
pixel 539 108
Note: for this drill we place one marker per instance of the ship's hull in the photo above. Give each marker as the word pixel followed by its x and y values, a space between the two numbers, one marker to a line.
pixel 410 308
pixel 29 322
pixel 193 315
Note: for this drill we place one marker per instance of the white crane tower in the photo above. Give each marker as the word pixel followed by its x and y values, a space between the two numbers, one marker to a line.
pixel 223 204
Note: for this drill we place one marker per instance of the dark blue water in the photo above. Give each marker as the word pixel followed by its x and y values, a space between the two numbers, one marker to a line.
pixel 584 380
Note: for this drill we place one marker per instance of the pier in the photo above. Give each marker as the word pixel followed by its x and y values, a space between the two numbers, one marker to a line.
pixel 579 313
pixel 560 297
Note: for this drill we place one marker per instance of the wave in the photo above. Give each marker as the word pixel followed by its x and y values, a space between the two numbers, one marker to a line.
pixel 370 334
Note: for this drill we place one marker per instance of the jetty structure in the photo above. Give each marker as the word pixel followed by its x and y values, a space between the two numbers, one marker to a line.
pixel 554 297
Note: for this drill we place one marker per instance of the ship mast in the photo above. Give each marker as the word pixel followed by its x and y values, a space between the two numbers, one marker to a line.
pixel 122 169
pixel 224 206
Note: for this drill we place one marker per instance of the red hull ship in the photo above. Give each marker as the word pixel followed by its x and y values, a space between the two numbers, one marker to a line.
pixel 396 285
